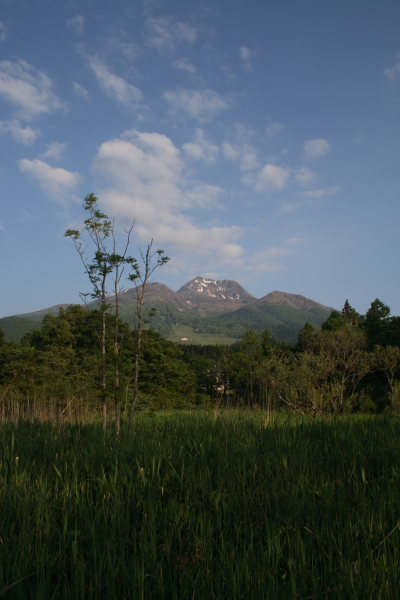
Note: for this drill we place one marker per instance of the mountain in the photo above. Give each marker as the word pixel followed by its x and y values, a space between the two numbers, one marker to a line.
pixel 155 293
pixel 16 326
pixel 217 295
pixel 293 300
pixel 282 321
pixel 203 310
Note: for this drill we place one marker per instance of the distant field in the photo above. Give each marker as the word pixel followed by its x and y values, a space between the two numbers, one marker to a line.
pixel 193 337
pixel 233 505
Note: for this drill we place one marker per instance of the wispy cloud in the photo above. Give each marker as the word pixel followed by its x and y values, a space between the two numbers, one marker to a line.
pixel 309 198
pixel 77 23
pixel 269 259
pixel 246 56
pixel 164 33
pixel 316 148
pixel 80 91
pixel 184 64
pixel 392 73
pixel 304 176
pixel 27 89
pixel 201 105
pixel 3 32
pixel 322 192
pixel 59 184
pixel 114 86
pixel 54 150
pixel 243 154
pixel 272 178
pixel 128 49
pixel 20 133
pixel 201 148
pixel 274 128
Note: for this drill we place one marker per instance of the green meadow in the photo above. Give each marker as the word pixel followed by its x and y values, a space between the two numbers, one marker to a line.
pixel 192 505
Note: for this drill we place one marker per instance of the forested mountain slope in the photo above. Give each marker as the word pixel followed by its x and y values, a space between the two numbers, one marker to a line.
pixel 201 311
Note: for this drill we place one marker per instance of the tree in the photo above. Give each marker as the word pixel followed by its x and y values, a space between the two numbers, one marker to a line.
pixel 140 275
pixel 387 359
pixel 106 260
pixel 349 314
pixel 118 262
pixel 306 337
pixel 347 360
pixel 333 322
pixel 376 322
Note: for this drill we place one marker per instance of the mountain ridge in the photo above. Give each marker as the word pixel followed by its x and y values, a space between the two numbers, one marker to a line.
pixel 212 308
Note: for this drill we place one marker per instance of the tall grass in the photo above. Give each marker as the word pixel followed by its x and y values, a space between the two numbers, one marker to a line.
pixel 201 505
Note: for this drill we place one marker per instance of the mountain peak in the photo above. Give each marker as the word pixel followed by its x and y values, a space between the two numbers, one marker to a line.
pixel 214 293
pixel 293 300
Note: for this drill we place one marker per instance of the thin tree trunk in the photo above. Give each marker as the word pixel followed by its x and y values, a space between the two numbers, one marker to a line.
pixel 104 365
pixel 137 358
pixel 116 358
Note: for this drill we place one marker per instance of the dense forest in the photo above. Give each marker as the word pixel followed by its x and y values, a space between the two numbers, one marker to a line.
pixel 351 364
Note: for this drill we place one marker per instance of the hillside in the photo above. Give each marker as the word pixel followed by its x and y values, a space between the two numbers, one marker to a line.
pixel 202 311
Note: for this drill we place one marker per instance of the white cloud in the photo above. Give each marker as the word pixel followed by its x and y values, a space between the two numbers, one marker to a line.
pixel 163 33
pixel 27 217
pixel 28 89
pixel 266 260
pixel 2 228
pixel 304 176
pixel 274 129
pixel 80 91
pixel 309 198
pixel 56 182
pixel 272 177
pixel 204 195
pixel 114 86
pixel 316 148
pixel 120 42
pixel 248 158
pixel 202 105
pixel 322 193
pixel 24 134
pixel 184 64
pixel 231 151
pixel 54 150
pixel 3 32
pixel 77 23
pixel 146 180
pixel 245 56
pixel 244 154
pixel 201 148
pixel 393 72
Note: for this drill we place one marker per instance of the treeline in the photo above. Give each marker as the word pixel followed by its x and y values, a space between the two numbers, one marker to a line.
pixel 351 364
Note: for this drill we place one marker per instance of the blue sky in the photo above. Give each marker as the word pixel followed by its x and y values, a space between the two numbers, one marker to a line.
pixel 256 141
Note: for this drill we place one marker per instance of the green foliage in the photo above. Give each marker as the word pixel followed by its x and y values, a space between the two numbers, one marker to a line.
pixel 330 370
pixel 14 328
pixel 377 323
pixel 334 321
pixel 283 322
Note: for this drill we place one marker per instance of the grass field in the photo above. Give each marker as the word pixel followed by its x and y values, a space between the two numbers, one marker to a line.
pixel 202 505
pixel 202 339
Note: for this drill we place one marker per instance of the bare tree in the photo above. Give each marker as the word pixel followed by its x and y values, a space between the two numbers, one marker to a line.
pixel 141 274
pixel 98 227
pixel 100 230
pixel 118 261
